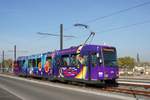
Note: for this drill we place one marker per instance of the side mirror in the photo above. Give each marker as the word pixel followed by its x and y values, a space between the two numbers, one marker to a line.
pixel 100 61
pixel 97 55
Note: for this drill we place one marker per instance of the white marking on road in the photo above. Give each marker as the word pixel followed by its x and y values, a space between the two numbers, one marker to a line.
pixel 10 91
pixel 70 88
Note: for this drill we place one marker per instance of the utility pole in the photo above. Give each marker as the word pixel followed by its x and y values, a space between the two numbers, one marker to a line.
pixel 14 53
pixel 14 58
pixel 138 58
pixel 58 35
pixel 61 36
pixel 3 66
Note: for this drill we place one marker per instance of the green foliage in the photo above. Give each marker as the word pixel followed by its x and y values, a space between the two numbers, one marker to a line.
pixel 8 63
pixel 126 62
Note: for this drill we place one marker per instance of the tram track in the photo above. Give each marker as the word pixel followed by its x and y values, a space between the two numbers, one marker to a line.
pixel 135 84
pixel 135 89
pixel 127 91
pixel 131 87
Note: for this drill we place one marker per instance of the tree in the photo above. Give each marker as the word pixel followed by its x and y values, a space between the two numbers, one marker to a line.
pixel 126 62
pixel 8 63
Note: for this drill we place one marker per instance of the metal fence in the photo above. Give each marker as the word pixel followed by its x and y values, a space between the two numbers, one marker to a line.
pixel 6 70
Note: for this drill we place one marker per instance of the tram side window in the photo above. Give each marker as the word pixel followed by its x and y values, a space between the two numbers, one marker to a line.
pixel 30 63
pixel 22 63
pixel 65 60
pixel 48 59
pixel 83 59
pixel 93 59
pixel 73 60
pixel 39 62
pixel 34 62
pixel 58 62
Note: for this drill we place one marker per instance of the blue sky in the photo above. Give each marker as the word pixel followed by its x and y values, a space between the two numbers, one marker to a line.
pixel 21 19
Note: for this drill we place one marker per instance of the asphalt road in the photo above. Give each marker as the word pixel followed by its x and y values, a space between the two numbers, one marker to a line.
pixel 33 91
pixel 5 95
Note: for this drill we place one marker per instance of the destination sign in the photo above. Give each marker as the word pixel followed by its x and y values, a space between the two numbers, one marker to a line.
pixel 109 49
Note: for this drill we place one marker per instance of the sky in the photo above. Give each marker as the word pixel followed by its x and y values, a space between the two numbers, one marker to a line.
pixel 20 20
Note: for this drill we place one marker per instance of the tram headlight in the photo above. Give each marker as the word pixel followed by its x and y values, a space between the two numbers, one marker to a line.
pixel 106 75
pixel 112 72
pixel 100 74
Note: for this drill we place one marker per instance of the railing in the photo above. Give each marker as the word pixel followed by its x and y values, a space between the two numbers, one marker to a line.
pixel 6 70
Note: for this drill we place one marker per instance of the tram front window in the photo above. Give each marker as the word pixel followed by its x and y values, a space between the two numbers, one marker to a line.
pixel 110 57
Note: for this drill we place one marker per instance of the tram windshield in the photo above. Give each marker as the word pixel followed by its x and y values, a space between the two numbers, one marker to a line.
pixel 110 57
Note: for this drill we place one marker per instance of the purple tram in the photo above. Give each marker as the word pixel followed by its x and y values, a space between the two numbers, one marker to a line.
pixel 92 64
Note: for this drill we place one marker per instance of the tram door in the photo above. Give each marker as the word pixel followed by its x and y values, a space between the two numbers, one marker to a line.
pixel 89 67
pixel 93 66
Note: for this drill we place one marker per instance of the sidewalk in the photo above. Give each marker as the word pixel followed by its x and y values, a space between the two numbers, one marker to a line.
pixel 5 95
pixel 142 77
